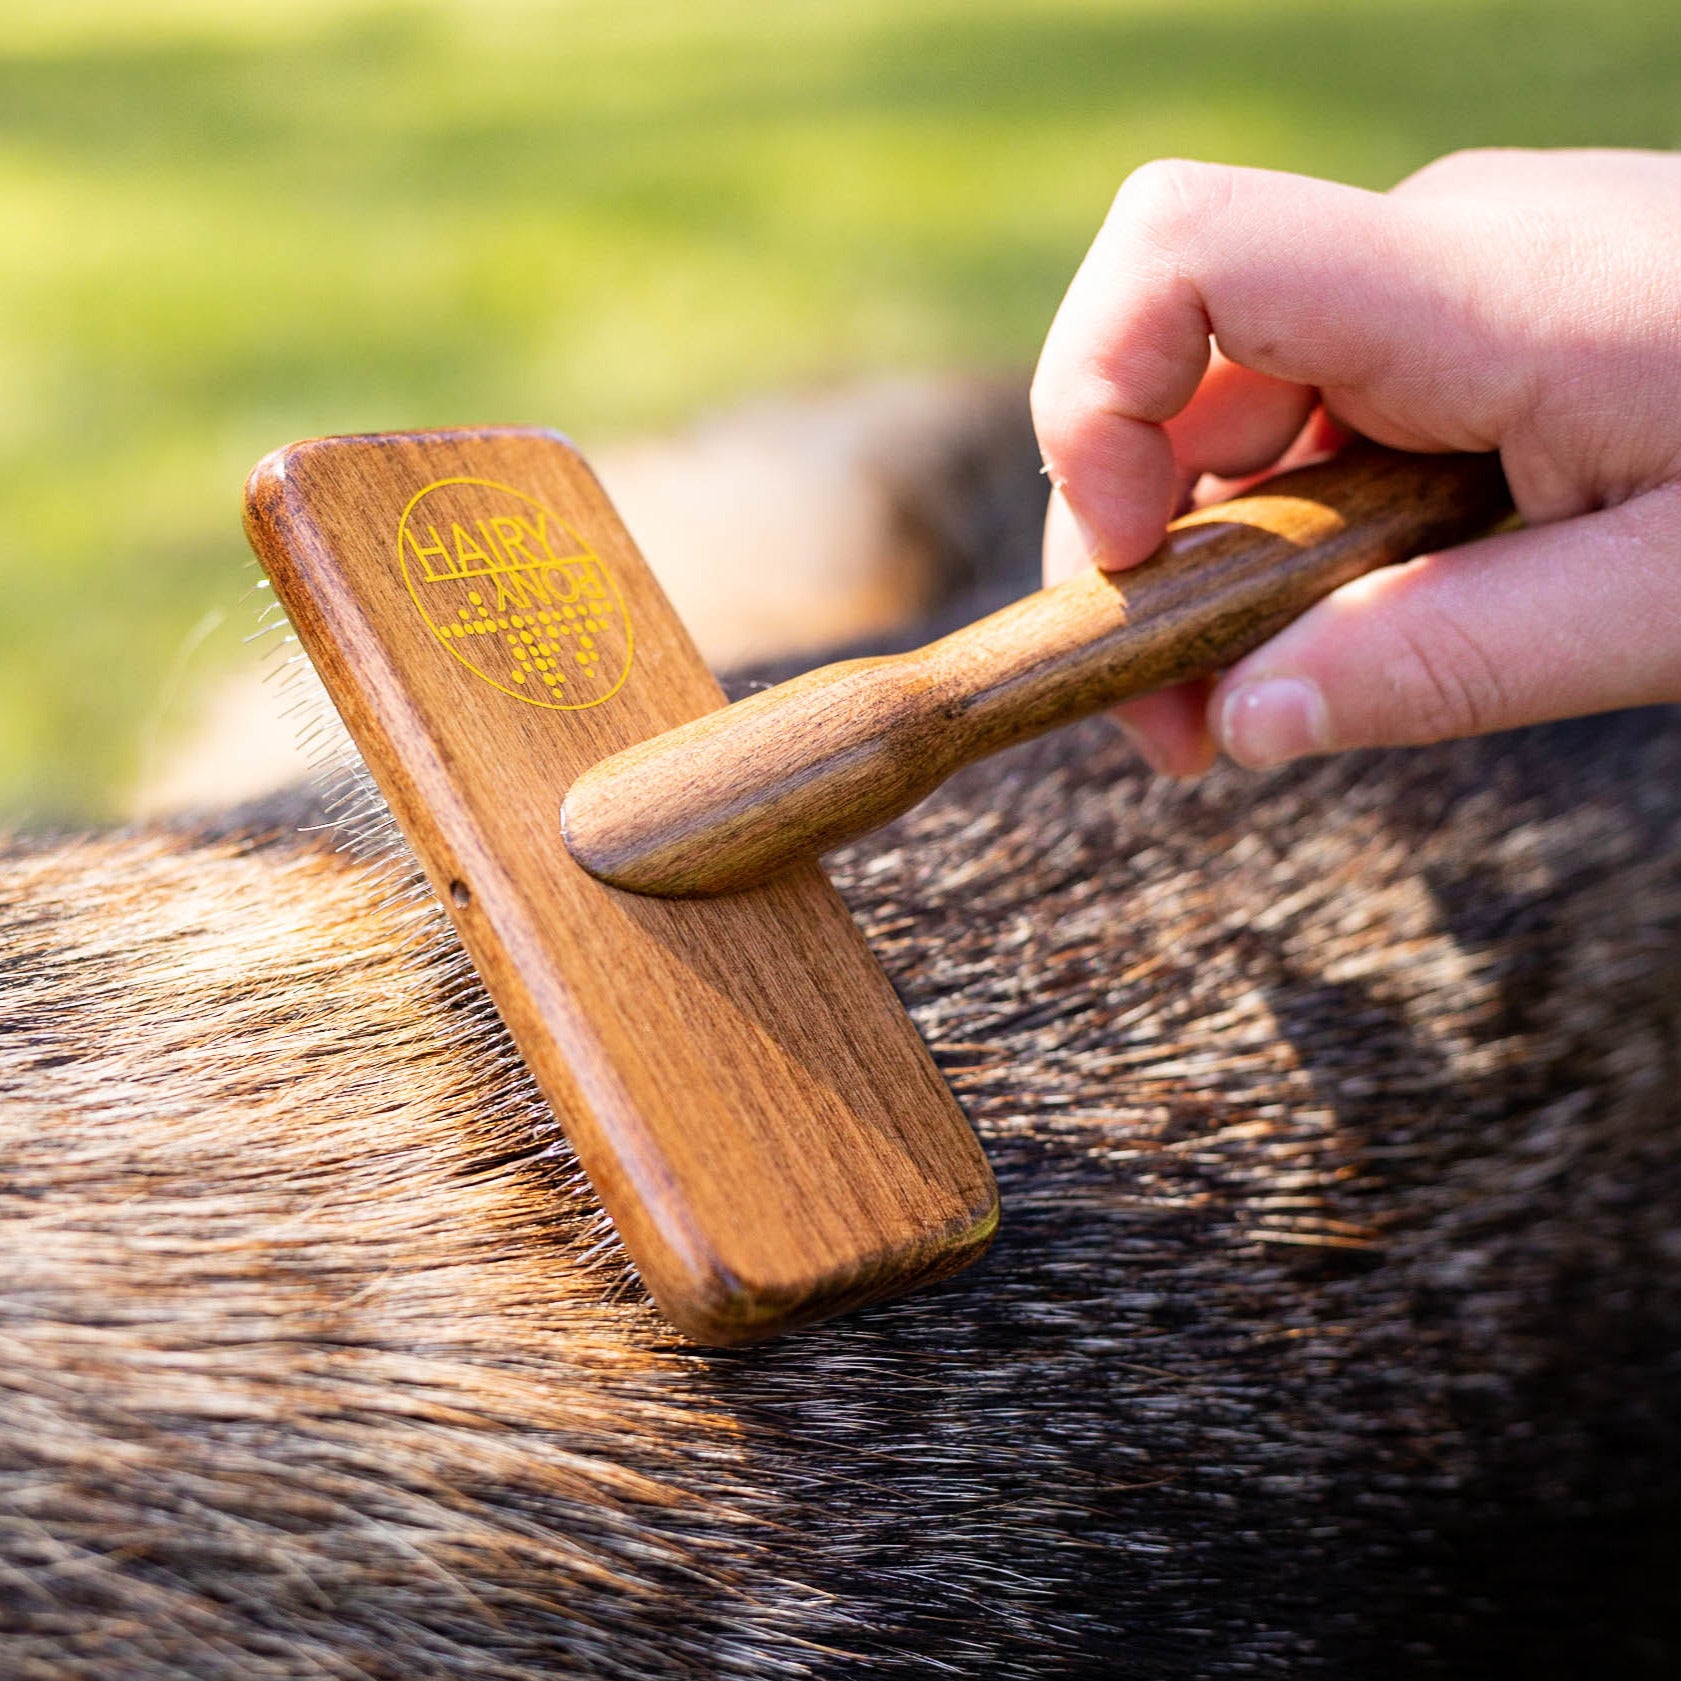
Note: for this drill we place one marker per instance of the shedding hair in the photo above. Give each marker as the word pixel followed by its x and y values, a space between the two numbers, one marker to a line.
pixel 1333 1326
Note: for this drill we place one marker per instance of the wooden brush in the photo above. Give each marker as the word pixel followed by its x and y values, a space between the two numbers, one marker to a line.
pixel 739 1081
pixel 744 793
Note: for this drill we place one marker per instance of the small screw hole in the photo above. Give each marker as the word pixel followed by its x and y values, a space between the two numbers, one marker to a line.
pixel 458 892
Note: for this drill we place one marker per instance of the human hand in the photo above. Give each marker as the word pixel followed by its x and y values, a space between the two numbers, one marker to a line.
pixel 1227 321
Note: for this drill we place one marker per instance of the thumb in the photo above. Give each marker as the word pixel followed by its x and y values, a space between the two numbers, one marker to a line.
pixel 1581 616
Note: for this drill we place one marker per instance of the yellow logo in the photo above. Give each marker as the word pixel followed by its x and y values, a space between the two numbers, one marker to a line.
pixel 514 593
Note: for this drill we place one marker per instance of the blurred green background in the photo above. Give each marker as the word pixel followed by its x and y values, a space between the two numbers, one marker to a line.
pixel 225 224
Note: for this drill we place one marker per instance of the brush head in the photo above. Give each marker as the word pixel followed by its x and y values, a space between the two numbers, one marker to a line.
pixel 740 1083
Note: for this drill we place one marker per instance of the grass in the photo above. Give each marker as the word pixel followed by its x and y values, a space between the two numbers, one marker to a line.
pixel 223 227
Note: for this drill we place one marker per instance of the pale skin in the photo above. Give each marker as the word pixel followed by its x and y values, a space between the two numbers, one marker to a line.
pixel 1228 320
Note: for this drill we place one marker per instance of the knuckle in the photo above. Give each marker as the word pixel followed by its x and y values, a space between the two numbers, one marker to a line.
pixel 1170 200
pixel 1447 682
pixel 1453 169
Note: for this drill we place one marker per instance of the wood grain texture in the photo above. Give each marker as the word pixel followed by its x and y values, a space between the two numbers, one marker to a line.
pixel 737 1076
pixel 739 795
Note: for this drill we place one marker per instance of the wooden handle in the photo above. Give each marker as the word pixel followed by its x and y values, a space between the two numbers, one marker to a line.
pixel 738 795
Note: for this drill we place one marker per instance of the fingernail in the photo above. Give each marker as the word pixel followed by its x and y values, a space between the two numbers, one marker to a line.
pixel 1272 720
pixel 1089 540
pixel 1068 549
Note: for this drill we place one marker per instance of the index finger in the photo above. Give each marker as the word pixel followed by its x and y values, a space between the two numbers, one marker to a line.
pixel 1303 281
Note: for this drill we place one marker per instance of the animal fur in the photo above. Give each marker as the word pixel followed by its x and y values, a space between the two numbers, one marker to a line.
pixel 1333 1327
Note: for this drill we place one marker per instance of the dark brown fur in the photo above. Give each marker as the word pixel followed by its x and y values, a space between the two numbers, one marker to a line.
pixel 1333 1326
